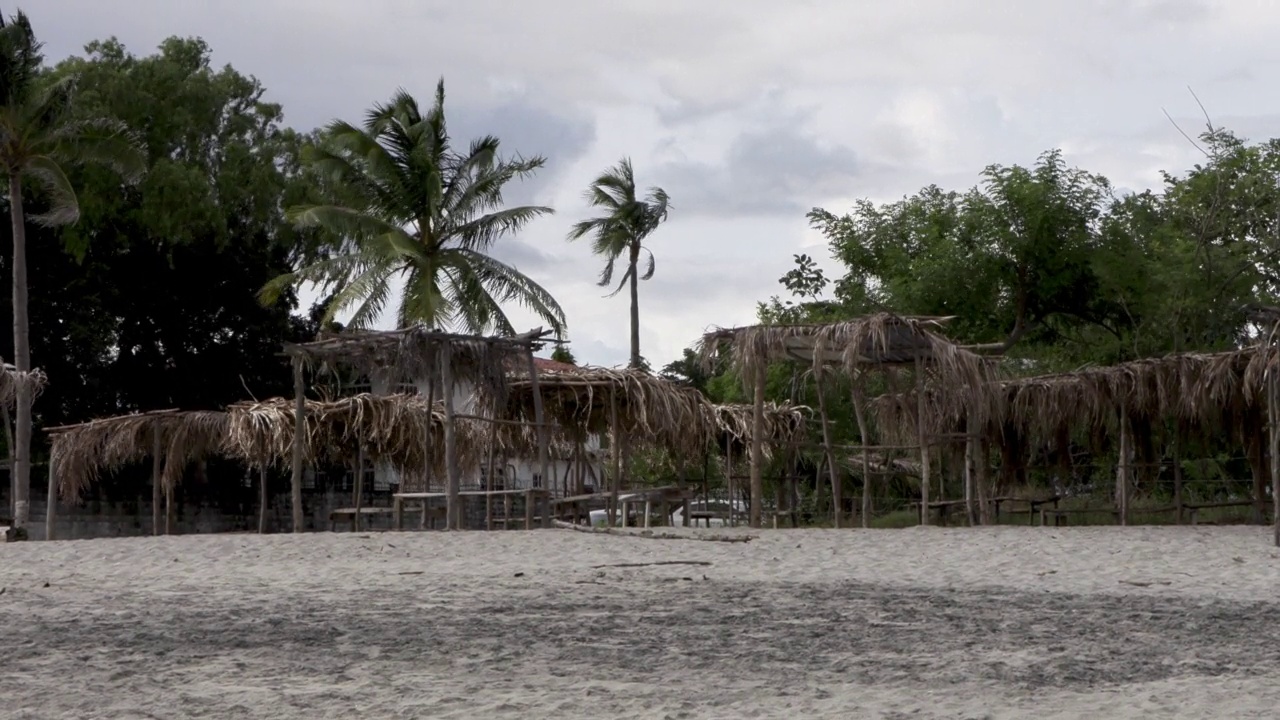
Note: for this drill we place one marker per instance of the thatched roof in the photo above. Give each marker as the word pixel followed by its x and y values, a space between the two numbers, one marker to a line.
pixel 81 452
pixel 651 410
pixel 11 380
pixel 413 353
pixel 879 339
pixel 784 425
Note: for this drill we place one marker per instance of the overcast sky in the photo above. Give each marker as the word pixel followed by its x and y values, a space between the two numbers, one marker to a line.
pixel 749 112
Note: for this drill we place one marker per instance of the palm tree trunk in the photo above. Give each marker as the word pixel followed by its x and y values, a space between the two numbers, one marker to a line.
pixel 635 305
pixel 21 359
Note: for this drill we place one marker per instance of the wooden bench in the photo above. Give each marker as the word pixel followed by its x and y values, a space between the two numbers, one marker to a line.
pixel 352 513
pixel 706 516
pixel 1193 510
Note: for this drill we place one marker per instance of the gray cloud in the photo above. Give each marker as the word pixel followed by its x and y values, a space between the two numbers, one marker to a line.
pixel 765 172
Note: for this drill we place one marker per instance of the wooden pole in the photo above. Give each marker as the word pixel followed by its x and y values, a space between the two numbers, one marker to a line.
pixel 728 480
pixel 615 455
pixel 357 489
pixel 51 504
pixel 970 460
pixel 757 451
pixel 539 417
pixel 157 453
pixel 263 499
pixel 453 509
pixel 924 444
pixel 980 479
pixel 1122 466
pixel 855 395
pixel 1176 443
pixel 299 437
pixel 489 470
pixel 168 509
pixel 1273 416
pixel 426 467
pixel 837 499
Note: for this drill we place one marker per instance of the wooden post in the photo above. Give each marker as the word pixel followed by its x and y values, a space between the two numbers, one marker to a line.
pixel 299 437
pixel 157 452
pixel 837 499
pixel 263 499
pixel 1176 443
pixel 357 490
pixel 855 394
pixel 1273 417
pixel 757 451
pixel 615 452
pixel 970 460
pixel 453 508
pixel 489 470
pixel 539 417
pixel 51 503
pixel 528 508
pixel 431 408
pixel 168 509
pixel 1122 466
pixel 924 444
pixel 728 480
pixel 980 479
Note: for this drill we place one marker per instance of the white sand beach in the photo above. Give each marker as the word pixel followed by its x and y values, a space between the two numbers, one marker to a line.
pixel 1169 622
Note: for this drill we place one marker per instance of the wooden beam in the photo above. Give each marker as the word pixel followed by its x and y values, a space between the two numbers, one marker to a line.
pixel 539 419
pixel 757 449
pixel 859 413
pixel 299 438
pixel 453 509
pixel 837 499
pixel 157 457
pixel 924 446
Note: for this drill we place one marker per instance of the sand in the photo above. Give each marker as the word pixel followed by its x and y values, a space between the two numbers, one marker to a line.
pixel 922 623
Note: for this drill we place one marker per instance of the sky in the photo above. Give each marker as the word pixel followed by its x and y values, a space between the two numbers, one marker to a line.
pixel 748 112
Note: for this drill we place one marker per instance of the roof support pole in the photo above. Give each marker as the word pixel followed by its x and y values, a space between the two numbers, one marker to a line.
pixel 299 437
pixel 757 452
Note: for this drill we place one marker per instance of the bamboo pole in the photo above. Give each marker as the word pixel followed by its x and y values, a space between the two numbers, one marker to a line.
pixel 489 470
pixel 981 480
pixel 757 451
pixel 426 469
pixel 970 460
pixel 299 437
pixel 263 499
pixel 453 509
pixel 728 480
pixel 157 451
pixel 859 413
pixel 924 446
pixel 837 499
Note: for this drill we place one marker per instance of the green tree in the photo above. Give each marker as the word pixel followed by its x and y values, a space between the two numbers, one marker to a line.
pixel 620 232
pixel 39 133
pixel 402 203
pixel 564 355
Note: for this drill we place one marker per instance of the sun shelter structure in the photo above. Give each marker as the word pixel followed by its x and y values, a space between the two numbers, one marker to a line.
pixel 882 341
pixel 406 355
pixel 171 438
pixel 1224 394
pixel 785 428
pixel 632 407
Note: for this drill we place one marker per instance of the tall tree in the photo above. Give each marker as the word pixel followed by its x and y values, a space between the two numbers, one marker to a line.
pixel 620 232
pixel 39 132
pixel 402 203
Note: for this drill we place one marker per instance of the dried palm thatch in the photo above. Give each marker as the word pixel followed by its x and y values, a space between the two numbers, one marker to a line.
pixel 879 339
pixel 413 353
pixel 651 410
pixel 11 379
pixel 784 425
pixel 81 452
pixel 398 430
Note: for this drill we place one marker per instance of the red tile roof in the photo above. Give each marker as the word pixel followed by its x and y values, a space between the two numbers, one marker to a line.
pixel 544 365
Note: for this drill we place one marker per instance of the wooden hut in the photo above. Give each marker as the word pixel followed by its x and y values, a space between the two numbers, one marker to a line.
pixel 407 355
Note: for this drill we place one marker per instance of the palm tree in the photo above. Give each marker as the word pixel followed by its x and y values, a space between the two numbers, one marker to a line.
pixel 38 134
pixel 405 204
pixel 621 231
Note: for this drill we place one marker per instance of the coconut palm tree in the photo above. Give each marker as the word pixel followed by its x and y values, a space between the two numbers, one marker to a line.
pixel 39 133
pixel 620 232
pixel 403 204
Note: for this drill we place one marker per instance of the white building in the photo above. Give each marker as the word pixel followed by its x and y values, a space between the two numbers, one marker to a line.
pixel 519 473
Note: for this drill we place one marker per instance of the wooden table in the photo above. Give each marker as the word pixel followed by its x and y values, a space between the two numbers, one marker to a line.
pixel 353 513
